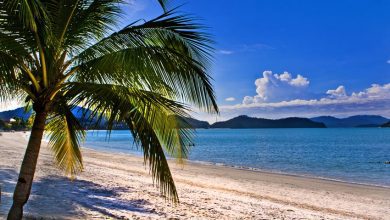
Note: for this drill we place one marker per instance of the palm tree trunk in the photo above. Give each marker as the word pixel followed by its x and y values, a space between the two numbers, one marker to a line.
pixel 27 170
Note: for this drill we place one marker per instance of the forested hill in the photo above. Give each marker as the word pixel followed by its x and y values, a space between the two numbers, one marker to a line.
pixel 250 122
pixel 353 121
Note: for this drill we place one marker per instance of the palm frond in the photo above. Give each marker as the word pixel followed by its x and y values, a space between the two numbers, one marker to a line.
pixel 179 32
pixel 15 40
pixel 34 27
pixel 164 4
pixel 10 44
pixel 29 12
pixel 65 134
pixel 145 136
pixel 147 114
pixel 78 23
pixel 11 81
pixel 165 52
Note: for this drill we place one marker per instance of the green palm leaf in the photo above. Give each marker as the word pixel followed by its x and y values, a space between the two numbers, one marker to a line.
pixel 165 52
pixel 65 134
pixel 28 12
pixel 151 119
pixel 116 102
pixel 148 140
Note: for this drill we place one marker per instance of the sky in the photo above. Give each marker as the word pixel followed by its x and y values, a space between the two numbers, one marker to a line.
pixel 282 58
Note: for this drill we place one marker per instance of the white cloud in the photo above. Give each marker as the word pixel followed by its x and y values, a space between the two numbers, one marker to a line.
pixel 276 87
pixel 372 100
pixel 299 81
pixel 285 77
pixel 262 85
pixel 277 98
pixel 225 52
pixel 337 93
pixel 247 100
pixel 375 92
pixel 230 99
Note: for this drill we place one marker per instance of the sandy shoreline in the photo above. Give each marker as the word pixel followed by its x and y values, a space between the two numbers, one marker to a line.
pixel 119 186
pixel 262 172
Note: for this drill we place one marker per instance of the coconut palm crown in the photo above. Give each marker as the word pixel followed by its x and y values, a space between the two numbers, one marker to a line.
pixel 59 54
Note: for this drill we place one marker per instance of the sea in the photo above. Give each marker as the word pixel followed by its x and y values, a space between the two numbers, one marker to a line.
pixel 355 155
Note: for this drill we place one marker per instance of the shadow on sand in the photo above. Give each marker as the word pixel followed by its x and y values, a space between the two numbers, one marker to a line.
pixel 59 196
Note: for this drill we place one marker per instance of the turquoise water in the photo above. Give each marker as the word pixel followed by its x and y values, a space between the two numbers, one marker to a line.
pixel 346 154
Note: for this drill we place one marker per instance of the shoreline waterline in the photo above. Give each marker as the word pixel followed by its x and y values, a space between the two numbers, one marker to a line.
pixel 249 169
pixel 346 155
pixel 133 152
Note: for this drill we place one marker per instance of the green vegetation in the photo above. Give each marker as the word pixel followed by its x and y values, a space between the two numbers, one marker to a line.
pixel 57 55
pixel 16 124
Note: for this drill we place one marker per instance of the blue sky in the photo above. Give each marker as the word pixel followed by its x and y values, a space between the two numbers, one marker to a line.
pixel 330 43
pixel 337 47
pixel 280 58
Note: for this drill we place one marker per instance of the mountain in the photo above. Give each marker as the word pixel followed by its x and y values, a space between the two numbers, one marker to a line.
pixel 238 122
pixel 244 121
pixel 19 112
pixel 194 123
pixel 353 121
pixel 81 113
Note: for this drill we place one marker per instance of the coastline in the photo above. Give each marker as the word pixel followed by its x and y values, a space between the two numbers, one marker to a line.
pixel 117 185
pixel 249 169
pixel 264 171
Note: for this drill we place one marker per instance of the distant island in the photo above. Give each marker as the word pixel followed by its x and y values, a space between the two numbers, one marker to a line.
pixel 353 121
pixel 16 113
pixel 239 122
pixel 193 123
pixel 244 121
pixel 357 121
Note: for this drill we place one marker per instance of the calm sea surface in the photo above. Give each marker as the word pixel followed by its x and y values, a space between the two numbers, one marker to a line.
pixel 347 154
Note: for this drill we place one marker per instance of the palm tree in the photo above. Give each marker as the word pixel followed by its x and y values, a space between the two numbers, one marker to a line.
pixel 59 54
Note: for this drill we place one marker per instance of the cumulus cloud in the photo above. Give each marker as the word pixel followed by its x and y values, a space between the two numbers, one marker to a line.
pixel 286 95
pixel 276 87
pixel 285 77
pixel 339 92
pixel 299 81
pixel 247 100
pixel 230 99
pixel 338 102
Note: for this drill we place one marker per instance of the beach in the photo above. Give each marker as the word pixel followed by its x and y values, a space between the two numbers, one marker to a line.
pixel 116 186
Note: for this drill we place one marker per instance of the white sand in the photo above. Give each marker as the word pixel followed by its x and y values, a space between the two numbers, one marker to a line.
pixel 119 186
